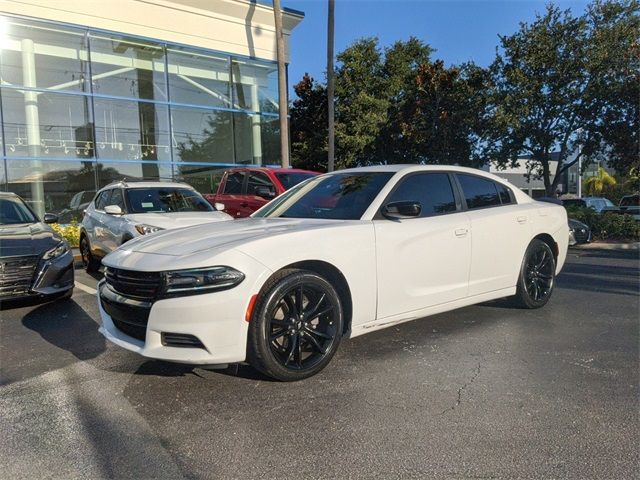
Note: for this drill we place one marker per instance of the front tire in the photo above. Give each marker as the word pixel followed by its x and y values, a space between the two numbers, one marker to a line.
pixel 91 263
pixel 537 276
pixel 296 326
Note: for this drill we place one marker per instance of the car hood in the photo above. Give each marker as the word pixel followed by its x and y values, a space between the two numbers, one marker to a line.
pixel 169 221
pixel 232 234
pixel 26 239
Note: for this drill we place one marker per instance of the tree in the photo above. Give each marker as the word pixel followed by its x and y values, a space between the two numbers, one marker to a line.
pixel 599 182
pixel 309 125
pixel 554 87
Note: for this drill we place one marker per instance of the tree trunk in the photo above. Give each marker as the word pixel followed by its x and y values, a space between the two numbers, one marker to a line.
pixel 283 103
pixel 330 89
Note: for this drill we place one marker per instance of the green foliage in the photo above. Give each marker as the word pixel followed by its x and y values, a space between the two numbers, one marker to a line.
pixel 70 232
pixel 608 225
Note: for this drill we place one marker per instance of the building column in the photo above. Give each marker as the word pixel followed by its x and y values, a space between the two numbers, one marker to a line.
pixel 256 130
pixel 32 121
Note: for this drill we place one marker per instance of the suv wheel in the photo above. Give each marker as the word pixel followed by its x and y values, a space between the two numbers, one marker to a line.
pixel 91 263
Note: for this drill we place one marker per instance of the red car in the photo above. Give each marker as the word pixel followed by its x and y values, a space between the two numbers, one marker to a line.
pixel 244 190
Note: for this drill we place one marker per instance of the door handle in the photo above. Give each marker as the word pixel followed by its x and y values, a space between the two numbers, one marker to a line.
pixel 522 219
pixel 461 232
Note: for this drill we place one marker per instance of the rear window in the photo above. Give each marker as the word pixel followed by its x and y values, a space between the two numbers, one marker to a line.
pixel 630 201
pixel 289 180
pixel 479 192
pixel 574 202
pixel 166 200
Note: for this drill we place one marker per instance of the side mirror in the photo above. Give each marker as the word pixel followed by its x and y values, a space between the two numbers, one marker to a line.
pixel 265 192
pixel 400 210
pixel 113 210
pixel 50 218
pixel 218 206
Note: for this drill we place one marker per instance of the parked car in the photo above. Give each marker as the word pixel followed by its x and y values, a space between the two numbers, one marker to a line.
pixel 578 232
pixel 122 211
pixel 77 205
pixel 630 205
pixel 343 254
pixel 242 191
pixel 35 262
pixel 599 204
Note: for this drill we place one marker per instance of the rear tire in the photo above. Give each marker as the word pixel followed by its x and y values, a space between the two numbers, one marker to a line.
pixel 537 276
pixel 91 263
pixel 296 326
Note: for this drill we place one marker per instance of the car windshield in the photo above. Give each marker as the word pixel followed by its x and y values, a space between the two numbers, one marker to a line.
pixel 165 200
pixel 14 211
pixel 292 179
pixel 630 201
pixel 341 196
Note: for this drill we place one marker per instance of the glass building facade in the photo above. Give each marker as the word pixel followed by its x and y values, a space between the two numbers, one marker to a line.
pixel 81 108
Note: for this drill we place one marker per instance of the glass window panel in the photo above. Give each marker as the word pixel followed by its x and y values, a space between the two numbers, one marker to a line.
pixel 127 68
pixel 64 128
pixel 58 53
pixel 204 179
pixel 50 186
pixel 432 190
pixel 109 172
pixel 255 85
pixel 270 138
pixel 202 135
pixel 199 79
pixel 128 130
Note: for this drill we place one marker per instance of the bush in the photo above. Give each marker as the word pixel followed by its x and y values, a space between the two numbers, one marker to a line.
pixel 608 225
pixel 70 232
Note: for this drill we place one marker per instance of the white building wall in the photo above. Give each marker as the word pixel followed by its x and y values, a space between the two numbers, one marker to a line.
pixel 238 27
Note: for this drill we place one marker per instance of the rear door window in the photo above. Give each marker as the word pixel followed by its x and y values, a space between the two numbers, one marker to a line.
pixel 479 192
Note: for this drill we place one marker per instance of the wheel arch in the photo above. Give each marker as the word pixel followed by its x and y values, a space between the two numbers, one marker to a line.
pixel 334 276
pixel 553 245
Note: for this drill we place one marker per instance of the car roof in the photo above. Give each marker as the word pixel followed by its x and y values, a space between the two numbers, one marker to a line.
pixel 150 184
pixel 273 169
pixel 9 194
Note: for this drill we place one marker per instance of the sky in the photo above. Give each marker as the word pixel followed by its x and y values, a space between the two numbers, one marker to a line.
pixel 459 30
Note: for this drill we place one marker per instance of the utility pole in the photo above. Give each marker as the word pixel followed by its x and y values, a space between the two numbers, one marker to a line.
pixel 283 104
pixel 330 89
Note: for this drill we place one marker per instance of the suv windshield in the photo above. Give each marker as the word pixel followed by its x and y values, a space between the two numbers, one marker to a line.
pixel 14 211
pixel 289 180
pixel 163 200
pixel 341 196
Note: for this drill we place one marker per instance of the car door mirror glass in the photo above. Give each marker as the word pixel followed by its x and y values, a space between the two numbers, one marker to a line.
pixel 400 210
pixel 113 210
pixel 50 218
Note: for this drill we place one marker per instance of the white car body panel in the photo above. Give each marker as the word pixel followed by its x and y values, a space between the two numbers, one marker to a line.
pixel 395 270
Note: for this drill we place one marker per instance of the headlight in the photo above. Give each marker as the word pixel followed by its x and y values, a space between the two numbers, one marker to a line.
pixel 56 251
pixel 147 229
pixel 202 280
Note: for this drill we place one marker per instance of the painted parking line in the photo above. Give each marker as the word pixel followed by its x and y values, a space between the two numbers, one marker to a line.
pixel 85 288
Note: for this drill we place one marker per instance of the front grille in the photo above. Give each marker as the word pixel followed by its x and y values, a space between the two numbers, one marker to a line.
pixel 140 285
pixel 135 331
pixel 129 316
pixel 16 274
pixel 581 235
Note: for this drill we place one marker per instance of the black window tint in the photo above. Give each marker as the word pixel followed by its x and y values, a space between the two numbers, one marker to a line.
pixel 116 198
pixel 432 190
pixel 258 182
pixel 102 198
pixel 479 192
pixel 233 185
pixel 503 193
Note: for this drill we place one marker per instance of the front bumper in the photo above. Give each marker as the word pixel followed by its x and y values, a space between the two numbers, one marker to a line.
pixel 216 319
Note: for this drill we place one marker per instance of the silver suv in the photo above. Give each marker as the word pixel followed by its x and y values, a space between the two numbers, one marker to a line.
pixel 124 210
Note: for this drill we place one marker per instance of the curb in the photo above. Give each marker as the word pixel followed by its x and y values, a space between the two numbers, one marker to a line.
pixel 631 246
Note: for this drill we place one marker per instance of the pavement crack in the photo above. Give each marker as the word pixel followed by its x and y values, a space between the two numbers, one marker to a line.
pixel 462 388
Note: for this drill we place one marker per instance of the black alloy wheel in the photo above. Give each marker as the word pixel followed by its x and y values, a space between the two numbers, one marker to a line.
pixel 537 276
pixel 91 264
pixel 296 327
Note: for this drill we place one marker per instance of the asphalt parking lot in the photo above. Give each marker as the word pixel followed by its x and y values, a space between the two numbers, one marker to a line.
pixel 482 392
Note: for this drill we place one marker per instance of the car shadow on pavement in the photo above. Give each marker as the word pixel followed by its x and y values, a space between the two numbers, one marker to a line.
pixel 168 369
pixel 67 326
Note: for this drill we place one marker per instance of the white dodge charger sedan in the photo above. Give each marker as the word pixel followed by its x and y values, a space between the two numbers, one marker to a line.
pixel 339 255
